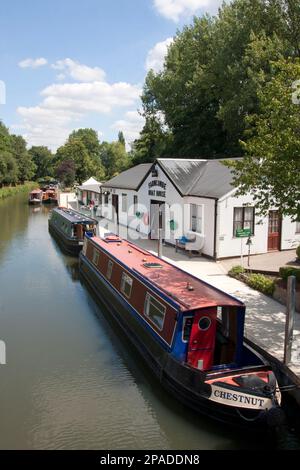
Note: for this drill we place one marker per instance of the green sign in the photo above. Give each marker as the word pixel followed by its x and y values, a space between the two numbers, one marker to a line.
pixel 243 233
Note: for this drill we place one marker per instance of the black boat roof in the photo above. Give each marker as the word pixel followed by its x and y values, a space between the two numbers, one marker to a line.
pixel 74 216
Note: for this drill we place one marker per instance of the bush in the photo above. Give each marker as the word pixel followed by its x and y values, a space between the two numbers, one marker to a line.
pixel 13 190
pixel 287 271
pixel 261 283
pixel 298 252
pixel 236 271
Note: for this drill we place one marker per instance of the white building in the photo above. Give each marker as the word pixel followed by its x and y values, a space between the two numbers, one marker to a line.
pixel 197 196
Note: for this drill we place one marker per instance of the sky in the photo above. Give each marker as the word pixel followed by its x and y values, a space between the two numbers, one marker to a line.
pixel 68 64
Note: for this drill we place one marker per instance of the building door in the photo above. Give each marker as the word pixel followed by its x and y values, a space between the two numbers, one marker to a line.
pixel 115 204
pixel 274 231
pixel 156 208
pixel 202 339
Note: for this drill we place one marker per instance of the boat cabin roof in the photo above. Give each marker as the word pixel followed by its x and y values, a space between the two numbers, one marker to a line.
pixel 189 292
pixel 74 217
pixel 36 191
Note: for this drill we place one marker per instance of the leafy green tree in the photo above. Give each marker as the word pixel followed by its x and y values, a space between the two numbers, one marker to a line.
pixel 121 139
pixel 8 169
pixel 90 140
pixel 213 72
pixel 26 166
pixel 114 158
pixel 271 167
pixel 76 151
pixel 43 159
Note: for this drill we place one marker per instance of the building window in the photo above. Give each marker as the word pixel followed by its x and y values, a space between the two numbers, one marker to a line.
pixel 109 269
pixel 135 204
pixel 106 199
pixel 155 311
pixel 196 218
pixel 298 226
pixel 124 202
pixel 243 218
pixel 126 285
pixel 96 256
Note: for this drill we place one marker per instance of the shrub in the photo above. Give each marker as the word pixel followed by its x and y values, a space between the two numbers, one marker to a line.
pixel 236 271
pixel 287 271
pixel 261 283
pixel 298 252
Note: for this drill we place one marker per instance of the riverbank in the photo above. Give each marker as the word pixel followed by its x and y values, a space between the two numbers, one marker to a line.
pixel 8 191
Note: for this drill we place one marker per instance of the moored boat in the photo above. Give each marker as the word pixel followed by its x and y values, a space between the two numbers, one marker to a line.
pixel 35 197
pixel 69 227
pixel 190 333
pixel 50 196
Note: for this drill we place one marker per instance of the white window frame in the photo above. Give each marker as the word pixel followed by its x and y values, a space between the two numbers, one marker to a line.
pixel 196 218
pixel 147 305
pixel 96 256
pixel 126 279
pixel 124 203
pixel 109 271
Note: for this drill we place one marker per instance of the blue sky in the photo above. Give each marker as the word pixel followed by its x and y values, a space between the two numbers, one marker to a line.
pixel 68 63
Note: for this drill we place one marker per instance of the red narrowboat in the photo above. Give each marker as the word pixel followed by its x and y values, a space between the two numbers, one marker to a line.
pixel 189 333
pixel 50 196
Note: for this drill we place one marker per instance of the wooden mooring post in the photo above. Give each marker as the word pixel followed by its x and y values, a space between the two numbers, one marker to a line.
pixel 290 318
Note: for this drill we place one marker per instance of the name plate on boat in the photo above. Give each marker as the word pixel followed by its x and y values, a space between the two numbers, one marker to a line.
pixel 238 399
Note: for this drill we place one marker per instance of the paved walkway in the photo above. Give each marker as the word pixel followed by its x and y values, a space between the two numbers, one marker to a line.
pixel 265 319
pixel 271 262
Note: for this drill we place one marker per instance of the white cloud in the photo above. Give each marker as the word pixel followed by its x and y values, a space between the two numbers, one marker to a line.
pixel 64 105
pixel 100 97
pixel 175 9
pixel 156 56
pixel 77 71
pixel 33 63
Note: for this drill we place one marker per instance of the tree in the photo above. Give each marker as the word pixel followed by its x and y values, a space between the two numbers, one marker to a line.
pixel 271 169
pixel 213 72
pixel 114 158
pixel 74 150
pixel 43 159
pixel 121 139
pixel 26 166
pixel 90 140
pixel 66 173
pixel 8 169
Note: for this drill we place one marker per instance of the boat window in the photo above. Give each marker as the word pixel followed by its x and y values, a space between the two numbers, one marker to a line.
pixel 204 323
pixel 187 328
pixel 126 285
pixel 109 269
pixel 84 249
pixel 96 256
pixel 155 311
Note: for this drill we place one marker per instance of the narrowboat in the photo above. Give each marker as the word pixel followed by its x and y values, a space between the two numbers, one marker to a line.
pixel 69 227
pixel 189 333
pixel 50 196
pixel 35 197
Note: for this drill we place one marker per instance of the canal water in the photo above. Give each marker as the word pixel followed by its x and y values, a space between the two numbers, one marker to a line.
pixel 71 380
